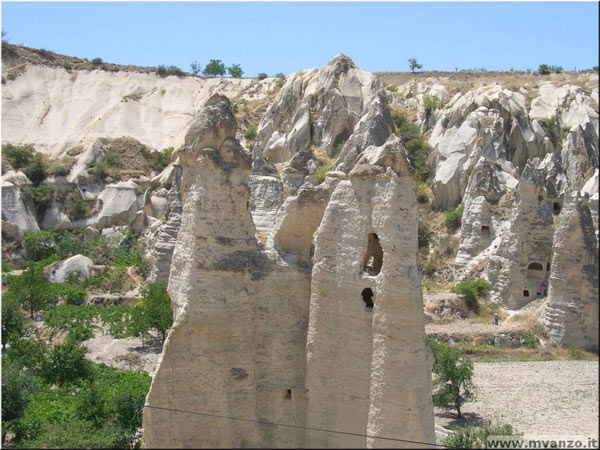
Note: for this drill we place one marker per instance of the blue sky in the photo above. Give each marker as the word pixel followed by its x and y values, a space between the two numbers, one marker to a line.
pixel 287 37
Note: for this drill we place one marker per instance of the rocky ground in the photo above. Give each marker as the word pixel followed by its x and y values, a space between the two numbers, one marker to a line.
pixel 543 398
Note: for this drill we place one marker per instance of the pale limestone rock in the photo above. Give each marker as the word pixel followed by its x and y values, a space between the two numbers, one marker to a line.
pixel 58 271
pixel 579 154
pixel 520 263
pixel 476 232
pixel 239 314
pixel 54 218
pixel 571 316
pixel 368 369
pixel 318 107
pixel 119 204
pixel 18 208
pixel 591 189
pixel 17 178
pixel 56 110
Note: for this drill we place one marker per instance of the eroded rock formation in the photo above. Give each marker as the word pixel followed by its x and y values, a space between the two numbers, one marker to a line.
pixel 571 315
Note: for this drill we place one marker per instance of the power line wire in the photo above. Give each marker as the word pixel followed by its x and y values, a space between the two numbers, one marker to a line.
pixel 183 411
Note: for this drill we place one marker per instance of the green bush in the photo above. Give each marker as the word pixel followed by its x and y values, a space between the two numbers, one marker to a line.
pixel 430 267
pixel 66 363
pixel 161 71
pixel 531 341
pixel 39 244
pixel 156 308
pixel 390 87
pixel 76 207
pixel 42 197
pixel 13 322
pixel 262 76
pixel 251 132
pixel 421 193
pixel 472 290
pixel 430 103
pixel 31 289
pixel 453 381
pixel 476 437
pixel 195 67
pixel 18 156
pixel 424 235
pixel 338 148
pixel 453 218
pixel 235 71
pixel 322 173
pixel 36 169
pixel 417 149
pixel 96 62
pixel 214 67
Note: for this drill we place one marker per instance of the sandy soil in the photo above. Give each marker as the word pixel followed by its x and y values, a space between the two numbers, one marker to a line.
pixel 543 398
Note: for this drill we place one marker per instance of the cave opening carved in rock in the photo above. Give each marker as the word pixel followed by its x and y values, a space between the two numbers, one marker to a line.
pixel 373 259
pixel 367 295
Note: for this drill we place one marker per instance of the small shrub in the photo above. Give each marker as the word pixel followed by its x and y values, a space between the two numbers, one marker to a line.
pixel 431 103
pixel 472 290
pixel 476 437
pixel 18 156
pixel 429 268
pixel 262 76
pixel 453 218
pixel 76 207
pixel 338 148
pixel 251 132
pixel 424 235
pixel 96 62
pixel 280 75
pixel 391 87
pixel 36 169
pixel 447 246
pixel 322 173
pixel 195 67
pixel 421 193
pixel 531 341
pixel 42 196
pixel 161 71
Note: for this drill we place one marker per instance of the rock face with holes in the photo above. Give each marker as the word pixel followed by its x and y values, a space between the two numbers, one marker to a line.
pixel 571 315
pixel 368 368
pixel 237 346
pixel 520 263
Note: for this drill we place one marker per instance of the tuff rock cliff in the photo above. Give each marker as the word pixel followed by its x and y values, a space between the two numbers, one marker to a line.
pixel 292 257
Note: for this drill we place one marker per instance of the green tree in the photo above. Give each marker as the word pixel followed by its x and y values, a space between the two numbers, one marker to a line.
pixel 544 69
pixel 414 64
pixel 262 76
pixel 431 103
pixel 13 321
pixel 235 71
pixel 214 67
pixel 15 394
pixel 195 67
pixel 39 244
pixel 32 289
pixel 156 308
pixel 453 380
pixel 65 363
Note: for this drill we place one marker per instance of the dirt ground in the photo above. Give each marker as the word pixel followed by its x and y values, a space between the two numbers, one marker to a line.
pixel 541 398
